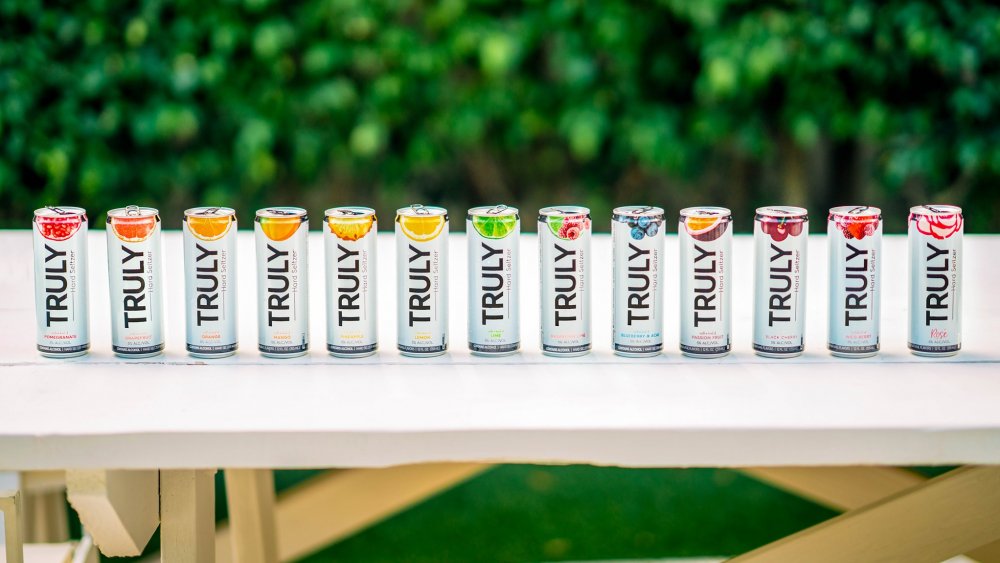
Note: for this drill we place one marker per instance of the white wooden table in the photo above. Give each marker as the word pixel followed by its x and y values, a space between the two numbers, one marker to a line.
pixel 175 412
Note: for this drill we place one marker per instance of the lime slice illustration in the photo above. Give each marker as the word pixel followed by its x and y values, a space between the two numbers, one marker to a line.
pixel 494 227
pixel 555 223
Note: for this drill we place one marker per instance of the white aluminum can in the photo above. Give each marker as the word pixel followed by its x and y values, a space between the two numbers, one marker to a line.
pixel 493 235
pixel 350 237
pixel 935 241
pixel 706 244
pixel 210 281
pixel 422 280
pixel 564 266
pixel 281 235
pixel 61 298
pixel 855 238
pixel 781 237
pixel 637 235
pixel 135 278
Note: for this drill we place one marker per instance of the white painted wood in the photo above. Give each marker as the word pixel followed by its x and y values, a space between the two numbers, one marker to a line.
pixel 187 516
pixel 120 509
pixel 318 411
pixel 250 497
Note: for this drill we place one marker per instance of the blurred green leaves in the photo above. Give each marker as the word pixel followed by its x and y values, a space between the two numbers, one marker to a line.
pixel 337 101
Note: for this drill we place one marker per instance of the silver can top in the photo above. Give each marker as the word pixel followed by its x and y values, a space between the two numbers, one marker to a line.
pixel 935 209
pixel 500 210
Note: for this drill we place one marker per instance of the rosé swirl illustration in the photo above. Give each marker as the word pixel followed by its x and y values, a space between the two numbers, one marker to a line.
pixel 937 226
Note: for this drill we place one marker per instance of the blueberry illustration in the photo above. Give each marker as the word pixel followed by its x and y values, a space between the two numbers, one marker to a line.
pixel 638 233
pixel 652 229
pixel 643 222
pixel 630 222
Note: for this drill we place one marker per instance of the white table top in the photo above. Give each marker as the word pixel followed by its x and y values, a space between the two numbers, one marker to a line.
pixel 316 411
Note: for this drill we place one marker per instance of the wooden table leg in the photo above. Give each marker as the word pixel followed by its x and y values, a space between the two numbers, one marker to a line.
pixel 250 495
pixel 10 506
pixel 187 516
pixel 120 508
pixel 933 521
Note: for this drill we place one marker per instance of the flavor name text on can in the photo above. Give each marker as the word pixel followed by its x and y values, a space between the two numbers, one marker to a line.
pixel 209 235
pixel 854 234
pixel 282 246
pixel 637 236
pixel 706 241
pixel 134 277
pixel 493 235
pixel 564 266
pixel 780 251
pixel 935 289
pixel 422 274
pixel 61 290
pixel 350 243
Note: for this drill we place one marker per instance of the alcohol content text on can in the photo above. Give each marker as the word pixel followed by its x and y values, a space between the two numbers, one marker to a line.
pixel 349 240
pixel 935 241
pixel 210 282
pixel 493 235
pixel 564 267
pixel 135 277
pixel 422 280
pixel 781 236
pixel 854 234
pixel 637 235
pixel 282 243
pixel 61 290
pixel 706 242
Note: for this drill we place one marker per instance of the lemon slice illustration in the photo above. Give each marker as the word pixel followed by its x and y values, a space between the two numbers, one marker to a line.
pixel 421 228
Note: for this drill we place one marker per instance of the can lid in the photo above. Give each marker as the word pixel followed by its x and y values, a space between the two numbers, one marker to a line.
pixel 782 212
pixel 282 213
pixel 855 211
pixel 500 210
pixel 935 209
pixel 53 212
pixel 638 211
pixel 133 212
pixel 209 212
pixel 563 211
pixel 349 212
pixel 706 212
pixel 417 210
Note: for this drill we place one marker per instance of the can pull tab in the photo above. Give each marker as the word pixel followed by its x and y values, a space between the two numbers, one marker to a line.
pixel 859 209
pixel 132 210
pixel 496 210
pixel 280 212
pixel 209 211
pixel 933 209
pixel 642 209
pixel 58 210
pixel 419 209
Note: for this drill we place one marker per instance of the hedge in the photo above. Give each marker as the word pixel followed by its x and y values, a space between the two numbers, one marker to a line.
pixel 321 102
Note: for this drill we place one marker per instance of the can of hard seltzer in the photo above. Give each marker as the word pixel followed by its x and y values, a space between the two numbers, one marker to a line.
pixel 706 243
pixel 637 238
pixel 493 235
pixel 422 280
pixel 61 299
pixel 210 281
pixel 935 240
pixel 781 236
pixel 281 235
pixel 349 240
pixel 135 278
pixel 564 266
pixel 854 234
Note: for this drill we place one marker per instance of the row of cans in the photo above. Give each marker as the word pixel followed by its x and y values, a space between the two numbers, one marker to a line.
pixel 705 233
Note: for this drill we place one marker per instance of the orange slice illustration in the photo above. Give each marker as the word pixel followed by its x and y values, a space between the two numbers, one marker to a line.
pixel 209 228
pixel 350 228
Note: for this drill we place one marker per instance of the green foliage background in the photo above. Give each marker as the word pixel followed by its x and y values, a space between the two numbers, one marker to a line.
pixel 250 103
